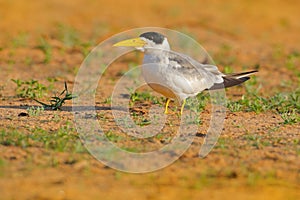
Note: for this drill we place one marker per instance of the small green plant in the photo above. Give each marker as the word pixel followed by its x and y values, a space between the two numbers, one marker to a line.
pixel 21 40
pixel 278 52
pixel 107 100
pixel 1 89
pixel 2 165
pixel 228 69
pixel 2 162
pixel 86 48
pixel 224 57
pixel 189 119
pixel 46 48
pixel 223 143
pixel 253 178
pixel 110 135
pixel 28 61
pixel 68 35
pixel 29 89
pixel 51 81
pixel 57 102
pixel 256 141
pixel 11 57
pixel 234 106
pixel 290 117
pixel 292 60
pixel 131 149
pixel 35 111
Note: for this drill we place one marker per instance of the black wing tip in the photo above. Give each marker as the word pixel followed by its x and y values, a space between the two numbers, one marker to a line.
pixel 248 73
pixel 229 82
pixel 252 72
pixel 243 79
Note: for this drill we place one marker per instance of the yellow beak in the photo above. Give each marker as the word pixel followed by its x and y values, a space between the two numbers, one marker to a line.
pixel 135 42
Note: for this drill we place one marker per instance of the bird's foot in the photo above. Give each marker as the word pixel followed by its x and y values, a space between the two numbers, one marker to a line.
pixel 167 105
pixel 182 107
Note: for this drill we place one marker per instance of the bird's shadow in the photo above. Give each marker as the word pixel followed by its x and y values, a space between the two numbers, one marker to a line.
pixel 68 108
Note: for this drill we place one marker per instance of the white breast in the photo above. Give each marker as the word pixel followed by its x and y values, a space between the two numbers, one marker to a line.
pixel 152 70
pixel 156 74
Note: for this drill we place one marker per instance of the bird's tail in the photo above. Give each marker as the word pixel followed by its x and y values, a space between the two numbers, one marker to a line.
pixel 233 79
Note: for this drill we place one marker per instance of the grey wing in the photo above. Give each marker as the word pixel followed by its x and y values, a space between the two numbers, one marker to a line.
pixel 197 76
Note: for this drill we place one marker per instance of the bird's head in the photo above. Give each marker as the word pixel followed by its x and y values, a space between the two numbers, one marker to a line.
pixel 146 42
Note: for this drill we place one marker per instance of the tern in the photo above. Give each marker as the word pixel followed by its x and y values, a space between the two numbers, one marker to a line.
pixel 176 75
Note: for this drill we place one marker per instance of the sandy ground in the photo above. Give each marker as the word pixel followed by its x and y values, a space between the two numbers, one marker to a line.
pixel 256 157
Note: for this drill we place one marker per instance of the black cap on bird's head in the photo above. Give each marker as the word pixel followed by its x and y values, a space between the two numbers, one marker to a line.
pixel 146 41
pixel 157 38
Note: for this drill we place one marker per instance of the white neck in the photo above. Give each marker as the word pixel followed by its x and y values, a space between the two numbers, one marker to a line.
pixel 155 53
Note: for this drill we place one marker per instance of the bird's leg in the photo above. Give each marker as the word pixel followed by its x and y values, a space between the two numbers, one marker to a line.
pixel 167 104
pixel 182 106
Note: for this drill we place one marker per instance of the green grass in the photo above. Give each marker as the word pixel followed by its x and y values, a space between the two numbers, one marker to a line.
pixel 2 164
pixel 28 61
pixel 68 35
pixel 278 52
pixel 21 40
pixel 86 47
pixel 34 111
pixel 198 103
pixel 224 56
pixel 107 100
pixel 292 59
pixel 114 137
pixel 287 105
pixel 30 88
pixel 290 117
pixel 140 96
pixel 65 139
pixel 256 141
pixel 46 48
pixel 225 143
pixel 228 69
pixel 1 89
pixel 132 149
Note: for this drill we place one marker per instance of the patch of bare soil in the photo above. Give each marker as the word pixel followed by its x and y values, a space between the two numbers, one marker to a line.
pixel 256 157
